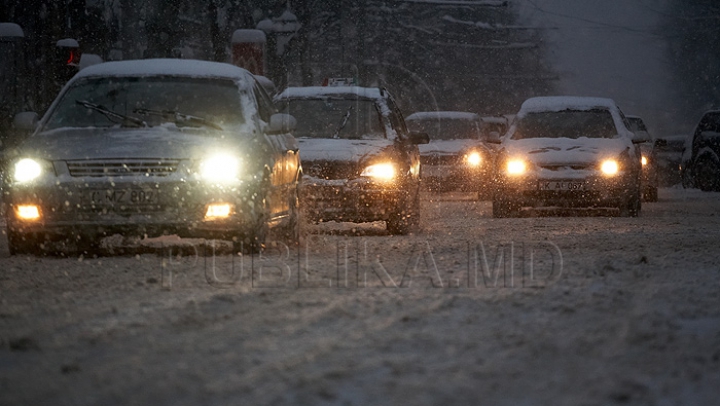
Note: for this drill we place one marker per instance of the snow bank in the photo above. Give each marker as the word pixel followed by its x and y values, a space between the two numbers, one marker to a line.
pixel 256 36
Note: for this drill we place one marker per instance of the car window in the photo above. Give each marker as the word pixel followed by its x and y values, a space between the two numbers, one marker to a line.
pixel 215 100
pixel 335 118
pixel 566 124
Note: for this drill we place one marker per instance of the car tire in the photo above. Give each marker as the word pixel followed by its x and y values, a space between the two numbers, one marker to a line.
pixel 252 241
pixel 20 243
pixel 650 194
pixel 291 229
pixel 87 245
pixel 632 205
pixel 707 175
pixel 504 207
pixel 406 218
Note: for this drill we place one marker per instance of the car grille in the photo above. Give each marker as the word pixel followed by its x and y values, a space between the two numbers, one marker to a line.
pixel 334 170
pixel 436 159
pixel 577 167
pixel 123 167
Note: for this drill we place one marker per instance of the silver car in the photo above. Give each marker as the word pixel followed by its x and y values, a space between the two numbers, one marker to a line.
pixel 155 147
pixel 568 152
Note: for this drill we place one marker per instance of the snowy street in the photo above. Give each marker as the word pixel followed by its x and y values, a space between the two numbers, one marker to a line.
pixel 606 310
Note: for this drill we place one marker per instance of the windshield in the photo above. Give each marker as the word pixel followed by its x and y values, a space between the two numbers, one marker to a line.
pixel 446 128
pixel 571 124
pixel 333 118
pixel 216 101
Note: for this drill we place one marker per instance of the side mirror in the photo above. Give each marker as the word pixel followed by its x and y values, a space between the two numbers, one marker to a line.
pixel 640 137
pixel 493 138
pixel 26 121
pixel 417 138
pixel 281 124
pixel 661 142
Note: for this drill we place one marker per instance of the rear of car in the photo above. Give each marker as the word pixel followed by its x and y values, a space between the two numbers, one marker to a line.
pixel 360 164
pixel 700 166
pixel 149 148
pixel 456 158
pixel 567 152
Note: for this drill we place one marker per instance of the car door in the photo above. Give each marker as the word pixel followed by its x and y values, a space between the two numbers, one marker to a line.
pixel 409 151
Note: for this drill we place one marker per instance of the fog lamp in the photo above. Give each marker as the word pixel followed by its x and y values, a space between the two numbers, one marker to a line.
pixel 218 210
pixel 27 212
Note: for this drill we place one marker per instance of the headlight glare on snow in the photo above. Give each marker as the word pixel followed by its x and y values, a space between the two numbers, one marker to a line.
pixel 516 167
pixel 27 170
pixel 220 168
pixel 610 167
pixel 381 171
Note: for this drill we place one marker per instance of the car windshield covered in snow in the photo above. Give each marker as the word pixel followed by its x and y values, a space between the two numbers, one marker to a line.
pixel 446 128
pixel 573 124
pixel 335 118
pixel 151 101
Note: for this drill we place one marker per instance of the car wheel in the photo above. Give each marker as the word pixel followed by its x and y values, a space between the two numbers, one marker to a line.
pixel 504 206
pixel 405 219
pixel 632 205
pixel 707 175
pixel 20 243
pixel 650 194
pixel 291 229
pixel 252 241
pixel 87 245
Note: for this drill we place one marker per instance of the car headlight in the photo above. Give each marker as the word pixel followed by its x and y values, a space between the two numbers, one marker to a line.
pixel 610 167
pixel 382 171
pixel 220 168
pixel 473 159
pixel 516 167
pixel 28 169
pixel 643 160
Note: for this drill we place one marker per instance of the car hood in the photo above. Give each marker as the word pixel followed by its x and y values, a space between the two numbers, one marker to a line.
pixel 567 151
pixel 349 151
pixel 329 159
pixel 448 147
pixel 101 143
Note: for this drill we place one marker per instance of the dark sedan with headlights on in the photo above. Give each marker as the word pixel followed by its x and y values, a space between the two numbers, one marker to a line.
pixel 153 147
pixel 457 157
pixel 568 152
pixel 360 163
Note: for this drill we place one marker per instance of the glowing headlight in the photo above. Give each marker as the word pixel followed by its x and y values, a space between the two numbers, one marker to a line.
pixel 27 169
pixel 383 171
pixel 220 168
pixel 610 167
pixel 643 160
pixel 516 167
pixel 473 159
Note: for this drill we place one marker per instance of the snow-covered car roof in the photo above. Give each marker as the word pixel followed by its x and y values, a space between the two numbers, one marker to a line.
pixel 314 92
pixel 436 115
pixel 170 67
pixel 559 103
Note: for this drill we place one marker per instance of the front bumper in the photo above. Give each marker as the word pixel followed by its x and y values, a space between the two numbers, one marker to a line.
pixel 358 200
pixel 571 190
pixel 456 177
pixel 151 206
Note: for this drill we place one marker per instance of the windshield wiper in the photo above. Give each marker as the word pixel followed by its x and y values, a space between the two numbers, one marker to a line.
pixel 178 118
pixel 111 114
pixel 346 117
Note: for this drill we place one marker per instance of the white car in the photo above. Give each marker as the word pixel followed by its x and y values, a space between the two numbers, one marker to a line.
pixel 568 152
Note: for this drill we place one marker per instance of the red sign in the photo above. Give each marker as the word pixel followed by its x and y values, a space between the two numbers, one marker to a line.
pixel 249 55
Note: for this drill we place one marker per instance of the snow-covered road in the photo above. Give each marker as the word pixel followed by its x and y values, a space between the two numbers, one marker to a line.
pixel 613 310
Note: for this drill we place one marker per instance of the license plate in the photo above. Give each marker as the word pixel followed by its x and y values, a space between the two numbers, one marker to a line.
pixel 124 197
pixel 562 185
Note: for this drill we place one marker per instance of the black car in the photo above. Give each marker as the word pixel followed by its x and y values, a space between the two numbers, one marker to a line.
pixel 700 165
pixel 154 147
pixel 360 163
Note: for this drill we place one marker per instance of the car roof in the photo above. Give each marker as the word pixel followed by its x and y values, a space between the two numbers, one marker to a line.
pixel 436 115
pixel 170 67
pixel 314 92
pixel 559 103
